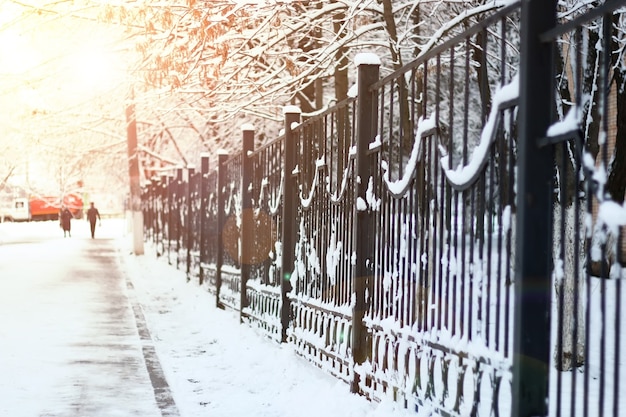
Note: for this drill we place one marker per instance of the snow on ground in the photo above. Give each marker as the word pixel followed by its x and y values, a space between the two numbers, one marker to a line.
pixel 218 367
pixel 214 366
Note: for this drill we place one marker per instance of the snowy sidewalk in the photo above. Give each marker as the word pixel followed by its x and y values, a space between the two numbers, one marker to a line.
pixel 85 326
pixel 220 368
pixel 70 344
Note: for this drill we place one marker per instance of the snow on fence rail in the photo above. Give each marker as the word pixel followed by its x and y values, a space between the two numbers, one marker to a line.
pixel 387 239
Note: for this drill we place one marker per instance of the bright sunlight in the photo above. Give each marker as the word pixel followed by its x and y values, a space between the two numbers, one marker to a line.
pixel 95 70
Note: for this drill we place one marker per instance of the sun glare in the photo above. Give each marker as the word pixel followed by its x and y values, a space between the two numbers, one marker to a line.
pixel 16 55
pixel 95 70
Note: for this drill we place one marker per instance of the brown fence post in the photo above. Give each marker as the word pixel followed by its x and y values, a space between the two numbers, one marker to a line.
pixel 159 216
pixel 289 227
pixel 221 185
pixel 146 209
pixel 179 224
pixel 154 190
pixel 368 74
pixel 204 172
pixel 165 221
pixel 191 171
pixel 247 216
pixel 171 194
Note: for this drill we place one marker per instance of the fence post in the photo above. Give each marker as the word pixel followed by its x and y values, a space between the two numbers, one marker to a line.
pixel 163 221
pixel 221 186
pixel 154 207
pixel 191 172
pixel 204 180
pixel 368 74
pixel 144 200
pixel 179 223
pixel 247 214
pixel 289 227
pixel 145 197
pixel 531 359
pixel 171 182
pixel 150 186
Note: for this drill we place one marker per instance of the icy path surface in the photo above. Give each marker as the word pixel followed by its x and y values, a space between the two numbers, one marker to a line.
pixel 83 324
pixel 69 344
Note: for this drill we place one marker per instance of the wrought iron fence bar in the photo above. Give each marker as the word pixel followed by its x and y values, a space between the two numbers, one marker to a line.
pixel 466 95
pixel 587 375
pixel 498 229
pixel 483 86
pixel 512 175
pixel 486 183
pixel 617 346
pixel 577 270
pixel 475 314
pixel 560 234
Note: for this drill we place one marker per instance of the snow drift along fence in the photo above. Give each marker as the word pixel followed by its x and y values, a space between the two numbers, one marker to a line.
pixel 431 239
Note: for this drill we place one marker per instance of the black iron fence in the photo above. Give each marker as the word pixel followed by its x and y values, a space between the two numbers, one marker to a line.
pixel 449 236
pixel 587 137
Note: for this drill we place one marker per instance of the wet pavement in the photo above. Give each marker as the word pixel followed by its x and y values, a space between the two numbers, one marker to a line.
pixel 73 340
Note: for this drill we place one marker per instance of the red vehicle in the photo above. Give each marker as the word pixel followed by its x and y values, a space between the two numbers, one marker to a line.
pixel 47 208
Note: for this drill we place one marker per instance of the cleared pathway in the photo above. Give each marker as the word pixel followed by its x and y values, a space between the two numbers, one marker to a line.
pixel 72 340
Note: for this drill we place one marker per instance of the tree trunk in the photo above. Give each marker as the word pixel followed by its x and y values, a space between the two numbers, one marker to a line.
pixel 342 64
pixel 569 270
pixel 405 123
pixel 344 133
pixel 569 282
pixel 616 184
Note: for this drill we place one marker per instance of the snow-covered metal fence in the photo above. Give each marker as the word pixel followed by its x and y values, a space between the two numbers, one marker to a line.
pixel 446 236
pixel 440 271
pixel 586 137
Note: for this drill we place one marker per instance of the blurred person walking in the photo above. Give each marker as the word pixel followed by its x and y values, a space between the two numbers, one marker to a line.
pixel 65 218
pixel 92 215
